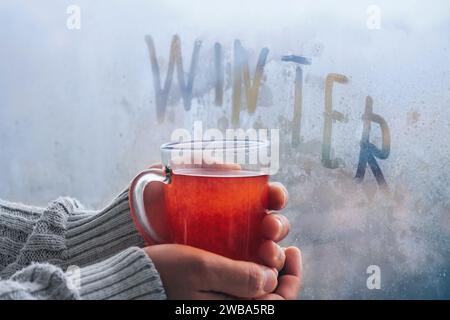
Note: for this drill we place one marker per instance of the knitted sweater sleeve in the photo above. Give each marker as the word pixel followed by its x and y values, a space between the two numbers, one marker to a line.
pixel 64 251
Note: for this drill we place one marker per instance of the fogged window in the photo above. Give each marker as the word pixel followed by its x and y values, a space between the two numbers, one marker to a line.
pixel 359 92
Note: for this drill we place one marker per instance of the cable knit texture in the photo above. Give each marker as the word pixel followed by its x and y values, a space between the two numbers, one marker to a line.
pixel 64 251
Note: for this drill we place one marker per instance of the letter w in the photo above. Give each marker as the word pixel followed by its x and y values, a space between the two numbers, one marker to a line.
pixel 175 58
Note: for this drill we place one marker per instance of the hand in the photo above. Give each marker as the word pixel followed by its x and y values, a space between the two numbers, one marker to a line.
pixel 290 278
pixel 191 273
pixel 275 227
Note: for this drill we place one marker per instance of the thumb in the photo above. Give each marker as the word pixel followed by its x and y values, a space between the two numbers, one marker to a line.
pixel 240 278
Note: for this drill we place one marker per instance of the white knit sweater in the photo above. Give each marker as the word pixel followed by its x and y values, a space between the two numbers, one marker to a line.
pixel 64 251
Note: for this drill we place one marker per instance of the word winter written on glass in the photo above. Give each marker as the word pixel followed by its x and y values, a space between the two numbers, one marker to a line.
pixel 241 78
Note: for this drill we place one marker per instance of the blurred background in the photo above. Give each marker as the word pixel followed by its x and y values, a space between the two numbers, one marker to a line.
pixel 78 118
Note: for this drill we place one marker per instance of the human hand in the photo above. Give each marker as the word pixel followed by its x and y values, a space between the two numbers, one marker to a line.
pixel 290 277
pixel 275 228
pixel 190 273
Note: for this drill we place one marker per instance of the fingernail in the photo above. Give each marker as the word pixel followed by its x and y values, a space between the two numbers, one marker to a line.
pixel 280 253
pixel 286 195
pixel 270 280
pixel 276 272
pixel 280 226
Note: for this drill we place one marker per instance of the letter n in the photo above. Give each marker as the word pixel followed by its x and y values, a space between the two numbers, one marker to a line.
pixel 241 72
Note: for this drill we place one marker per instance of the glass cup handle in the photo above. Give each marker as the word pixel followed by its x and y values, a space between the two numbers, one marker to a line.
pixel 136 199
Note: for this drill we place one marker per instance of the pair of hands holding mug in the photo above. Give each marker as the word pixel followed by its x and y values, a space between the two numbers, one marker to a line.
pixel 191 273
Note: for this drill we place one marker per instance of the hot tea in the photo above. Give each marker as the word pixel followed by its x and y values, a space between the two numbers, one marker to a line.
pixel 217 210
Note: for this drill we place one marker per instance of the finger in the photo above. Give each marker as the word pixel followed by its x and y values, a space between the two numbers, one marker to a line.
pixel 271 296
pixel 289 282
pixel 212 165
pixel 204 165
pixel 289 287
pixel 271 255
pixel 239 278
pixel 223 166
pixel 278 196
pixel 293 265
pixel 211 295
pixel 219 166
pixel 275 226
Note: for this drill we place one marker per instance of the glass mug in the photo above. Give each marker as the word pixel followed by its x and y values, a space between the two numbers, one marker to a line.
pixel 215 195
